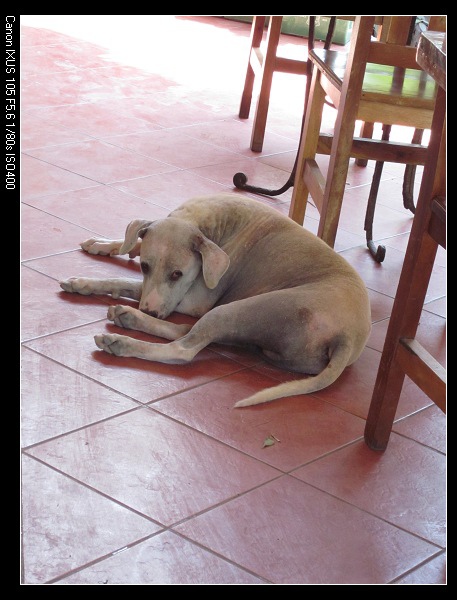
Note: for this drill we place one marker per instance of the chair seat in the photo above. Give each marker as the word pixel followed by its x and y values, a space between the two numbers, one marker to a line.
pixel 374 82
pixel 383 85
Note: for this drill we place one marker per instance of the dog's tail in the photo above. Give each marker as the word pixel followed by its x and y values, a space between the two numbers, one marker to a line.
pixel 339 360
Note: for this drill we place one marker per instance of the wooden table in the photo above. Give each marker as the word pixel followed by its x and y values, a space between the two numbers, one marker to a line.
pixel 431 55
pixel 402 354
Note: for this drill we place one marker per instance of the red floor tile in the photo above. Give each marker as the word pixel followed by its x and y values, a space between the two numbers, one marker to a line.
pixel 169 190
pixel 432 572
pixel 166 559
pixel 437 307
pixel 400 242
pixel 115 210
pixel 193 153
pixel 37 131
pixel 81 264
pixel 142 380
pixel 53 58
pixel 354 388
pixel 96 119
pixel 235 136
pixel 427 426
pixel 66 525
pixel 160 471
pixel 156 108
pixel 100 161
pixel 35 36
pixel 65 87
pixel 114 448
pixel 51 234
pixel 290 532
pixel 403 486
pixel 387 221
pixel 41 307
pixel 301 428
pixel 43 178
pixel 383 277
pixel 381 306
pixel 55 400
pixel 431 333
pixel 257 172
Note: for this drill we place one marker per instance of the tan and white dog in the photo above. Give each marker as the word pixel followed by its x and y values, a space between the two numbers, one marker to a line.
pixel 252 276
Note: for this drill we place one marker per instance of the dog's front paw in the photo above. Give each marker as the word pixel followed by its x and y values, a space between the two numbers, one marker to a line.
pixel 113 343
pixel 77 285
pixel 101 247
pixel 124 316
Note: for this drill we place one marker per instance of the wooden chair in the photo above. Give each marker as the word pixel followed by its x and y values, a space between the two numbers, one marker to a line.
pixel 402 353
pixel 263 65
pixel 373 82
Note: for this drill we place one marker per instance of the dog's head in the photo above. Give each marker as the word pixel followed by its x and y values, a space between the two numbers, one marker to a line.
pixel 173 255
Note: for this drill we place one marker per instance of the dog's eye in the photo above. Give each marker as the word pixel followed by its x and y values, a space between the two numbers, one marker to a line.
pixel 144 268
pixel 176 275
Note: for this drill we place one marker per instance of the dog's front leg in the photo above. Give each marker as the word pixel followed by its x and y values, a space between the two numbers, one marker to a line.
pixel 104 247
pixel 116 287
pixel 132 318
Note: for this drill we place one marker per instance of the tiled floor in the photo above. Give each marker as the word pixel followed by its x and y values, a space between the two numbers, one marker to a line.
pixel 141 473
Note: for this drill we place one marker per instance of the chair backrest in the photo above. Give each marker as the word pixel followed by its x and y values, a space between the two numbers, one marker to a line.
pixel 393 46
pixel 396 29
pixel 393 55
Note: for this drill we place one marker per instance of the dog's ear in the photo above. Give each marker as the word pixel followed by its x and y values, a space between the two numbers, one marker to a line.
pixel 215 261
pixel 135 229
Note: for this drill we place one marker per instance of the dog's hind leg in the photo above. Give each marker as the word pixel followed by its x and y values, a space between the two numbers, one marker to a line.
pixel 175 352
pixel 213 326
pixel 233 323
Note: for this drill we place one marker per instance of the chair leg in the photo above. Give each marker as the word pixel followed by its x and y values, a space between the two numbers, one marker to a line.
pixel 409 298
pixel 240 180
pixel 268 68
pixel 403 323
pixel 344 132
pixel 367 132
pixel 308 148
pixel 257 28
